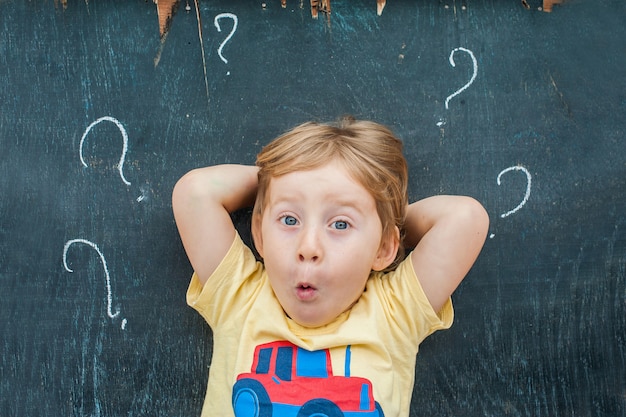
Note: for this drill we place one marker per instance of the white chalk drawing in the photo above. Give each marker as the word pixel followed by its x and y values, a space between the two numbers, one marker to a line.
pixel 528 187
pixel 230 35
pixel 475 72
pixel 106 273
pixel 120 165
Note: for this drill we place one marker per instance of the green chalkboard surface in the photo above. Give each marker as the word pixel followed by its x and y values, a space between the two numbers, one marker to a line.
pixel 100 115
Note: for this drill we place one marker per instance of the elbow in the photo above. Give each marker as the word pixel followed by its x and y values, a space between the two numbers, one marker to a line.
pixel 182 189
pixel 477 216
pixel 187 189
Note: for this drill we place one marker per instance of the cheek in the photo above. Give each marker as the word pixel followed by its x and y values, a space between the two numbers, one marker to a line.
pixel 274 242
pixel 351 292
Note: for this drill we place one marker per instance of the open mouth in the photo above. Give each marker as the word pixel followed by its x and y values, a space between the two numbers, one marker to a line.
pixel 305 291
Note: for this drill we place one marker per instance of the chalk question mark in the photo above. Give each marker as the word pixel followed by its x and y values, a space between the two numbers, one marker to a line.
pixel 475 69
pixel 230 35
pixel 120 164
pixel 526 195
pixel 442 122
pixel 528 187
pixel 106 273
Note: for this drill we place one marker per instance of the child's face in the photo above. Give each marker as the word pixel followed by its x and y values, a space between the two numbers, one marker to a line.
pixel 320 237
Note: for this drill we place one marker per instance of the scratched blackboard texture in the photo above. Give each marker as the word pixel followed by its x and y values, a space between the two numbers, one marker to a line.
pixel 541 318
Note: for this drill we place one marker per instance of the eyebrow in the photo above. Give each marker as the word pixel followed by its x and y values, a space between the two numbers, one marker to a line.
pixel 337 201
pixel 343 201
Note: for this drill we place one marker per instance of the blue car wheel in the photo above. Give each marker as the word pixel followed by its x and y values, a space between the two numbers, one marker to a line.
pixel 320 408
pixel 250 399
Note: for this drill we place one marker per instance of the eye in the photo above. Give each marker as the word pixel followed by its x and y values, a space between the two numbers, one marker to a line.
pixel 340 225
pixel 289 220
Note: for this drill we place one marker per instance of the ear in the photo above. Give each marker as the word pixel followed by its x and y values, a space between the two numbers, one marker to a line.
pixel 387 251
pixel 257 236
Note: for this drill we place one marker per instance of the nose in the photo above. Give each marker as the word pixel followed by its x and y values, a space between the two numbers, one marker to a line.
pixel 310 247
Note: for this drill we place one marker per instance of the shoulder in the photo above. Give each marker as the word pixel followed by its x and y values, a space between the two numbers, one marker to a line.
pixel 238 269
pixel 402 296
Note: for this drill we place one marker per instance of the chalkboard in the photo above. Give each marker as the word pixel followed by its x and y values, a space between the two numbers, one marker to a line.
pixel 100 115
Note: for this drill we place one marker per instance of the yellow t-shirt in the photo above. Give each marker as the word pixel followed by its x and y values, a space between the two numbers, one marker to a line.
pixel 363 362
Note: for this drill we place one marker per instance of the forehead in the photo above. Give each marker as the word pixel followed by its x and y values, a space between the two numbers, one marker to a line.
pixel 331 181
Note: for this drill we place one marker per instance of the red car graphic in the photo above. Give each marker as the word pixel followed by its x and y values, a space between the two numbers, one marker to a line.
pixel 287 381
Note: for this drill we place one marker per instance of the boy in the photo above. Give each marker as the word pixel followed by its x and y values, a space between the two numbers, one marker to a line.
pixel 329 323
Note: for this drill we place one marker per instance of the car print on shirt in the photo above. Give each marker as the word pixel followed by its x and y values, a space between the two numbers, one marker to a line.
pixel 288 381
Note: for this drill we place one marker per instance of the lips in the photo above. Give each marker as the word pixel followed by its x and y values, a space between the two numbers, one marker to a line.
pixel 305 292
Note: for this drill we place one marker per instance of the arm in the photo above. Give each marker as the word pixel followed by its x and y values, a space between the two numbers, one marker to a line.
pixel 448 233
pixel 202 201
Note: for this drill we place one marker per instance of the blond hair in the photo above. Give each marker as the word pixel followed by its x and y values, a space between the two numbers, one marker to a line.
pixel 369 151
